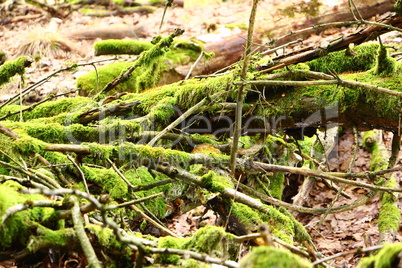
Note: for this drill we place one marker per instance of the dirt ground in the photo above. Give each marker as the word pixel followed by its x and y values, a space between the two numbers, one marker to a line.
pixel 338 233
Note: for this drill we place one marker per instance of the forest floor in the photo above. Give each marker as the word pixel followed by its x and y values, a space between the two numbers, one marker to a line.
pixel 339 232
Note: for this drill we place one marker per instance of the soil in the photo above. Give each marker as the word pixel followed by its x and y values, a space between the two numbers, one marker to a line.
pixel 338 233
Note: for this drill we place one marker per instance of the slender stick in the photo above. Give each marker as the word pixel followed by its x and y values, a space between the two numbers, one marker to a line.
pixel 240 93
pixel 82 236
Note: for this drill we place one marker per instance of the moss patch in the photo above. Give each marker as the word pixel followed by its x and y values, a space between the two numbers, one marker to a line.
pixel 113 46
pixel 385 65
pixel 141 176
pixel 11 68
pixel 148 68
pixel 108 178
pixel 17 229
pixel 215 183
pixel 389 217
pixel 338 62
pixel 262 257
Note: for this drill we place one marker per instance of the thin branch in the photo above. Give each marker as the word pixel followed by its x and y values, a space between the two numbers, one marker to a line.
pixel 27 205
pixel 82 175
pixel 137 201
pixel 320 174
pixel 195 64
pixel 39 177
pixel 240 93
pixel 82 236
pixel 341 254
pixel 50 192
pixel 169 3
pixel 45 79
pixel 301 209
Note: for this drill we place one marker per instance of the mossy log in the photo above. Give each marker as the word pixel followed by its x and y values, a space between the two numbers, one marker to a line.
pixel 71 135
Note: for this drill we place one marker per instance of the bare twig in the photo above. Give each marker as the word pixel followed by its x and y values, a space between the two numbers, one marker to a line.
pixel 137 201
pixel 240 93
pixel 341 254
pixel 82 236
pixel 80 172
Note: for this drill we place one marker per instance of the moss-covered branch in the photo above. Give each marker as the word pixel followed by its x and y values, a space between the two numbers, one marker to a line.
pixel 13 67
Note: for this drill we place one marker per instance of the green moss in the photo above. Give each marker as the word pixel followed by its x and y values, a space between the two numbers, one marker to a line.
pixel 246 216
pixel 191 263
pixel 144 155
pixel 141 176
pixel 108 179
pixel 11 68
pixel 385 65
pixel 368 140
pixel 281 222
pixel 184 51
pixel 193 91
pixel 148 67
pixel 301 234
pixel 216 183
pixel 56 132
pixel 55 238
pixel 113 46
pixel 164 110
pixel 16 230
pixel 169 242
pixel 378 160
pixel 262 257
pixel 56 158
pixel 387 257
pixel 102 151
pixel 91 83
pixel 389 217
pixel 307 100
pixel 276 185
pixel 398 7
pixel 208 239
pixel 27 145
pixel 107 239
pixel 367 262
pixel 337 62
pixel 62 111
pixel 164 102
pixel 281 225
